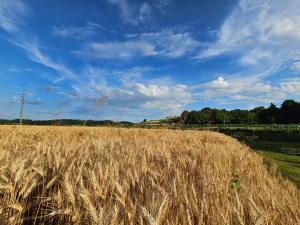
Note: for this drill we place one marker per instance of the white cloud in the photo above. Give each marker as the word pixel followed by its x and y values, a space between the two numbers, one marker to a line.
pixel 119 50
pixel 264 33
pixel 170 43
pixel 28 100
pixel 137 95
pixel 162 4
pixel 13 69
pixel 234 85
pixel 138 13
pixel 252 88
pixel 255 56
pixel 170 98
pixel 145 12
pixel 77 32
pixel 219 83
pixel 166 43
pixel 11 14
pixel 291 85
pixel 129 11
pixel 287 27
pixel 296 66
pixel 32 48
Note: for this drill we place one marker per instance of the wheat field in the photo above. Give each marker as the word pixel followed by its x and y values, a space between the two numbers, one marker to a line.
pixel 73 175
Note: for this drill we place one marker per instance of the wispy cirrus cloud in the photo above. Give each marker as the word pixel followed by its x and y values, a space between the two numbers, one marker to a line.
pixel 129 12
pixel 136 13
pixel 77 32
pixel 259 33
pixel 172 44
pixel 167 43
pixel 13 69
pixel 30 100
pixel 32 48
pixel 117 50
pixel 12 13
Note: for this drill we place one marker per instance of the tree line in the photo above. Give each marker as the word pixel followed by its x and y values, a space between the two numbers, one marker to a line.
pixel 287 113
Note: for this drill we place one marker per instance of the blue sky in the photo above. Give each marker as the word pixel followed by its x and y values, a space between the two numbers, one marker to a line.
pixel 151 58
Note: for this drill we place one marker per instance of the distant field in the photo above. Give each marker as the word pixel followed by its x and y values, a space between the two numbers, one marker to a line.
pixel 78 175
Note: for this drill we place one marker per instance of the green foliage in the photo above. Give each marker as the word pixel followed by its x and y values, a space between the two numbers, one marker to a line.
pixel 236 182
pixel 288 113
pixel 194 117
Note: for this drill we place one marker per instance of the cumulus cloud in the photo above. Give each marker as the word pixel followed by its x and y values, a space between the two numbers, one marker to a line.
pixel 252 88
pixel 12 14
pixel 138 95
pixel 233 85
pixel 219 83
pixel 164 97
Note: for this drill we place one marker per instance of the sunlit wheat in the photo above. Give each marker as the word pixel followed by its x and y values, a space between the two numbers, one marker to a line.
pixel 79 175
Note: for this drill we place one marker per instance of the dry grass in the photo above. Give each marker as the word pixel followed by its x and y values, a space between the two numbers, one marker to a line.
pixel 56 175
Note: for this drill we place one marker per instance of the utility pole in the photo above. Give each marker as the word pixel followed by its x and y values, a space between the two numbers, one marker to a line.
pixel 22 105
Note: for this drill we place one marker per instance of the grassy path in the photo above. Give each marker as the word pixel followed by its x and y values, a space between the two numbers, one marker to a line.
pixel 288 165
pixel 285 154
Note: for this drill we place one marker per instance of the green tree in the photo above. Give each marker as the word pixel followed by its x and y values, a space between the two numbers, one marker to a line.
pixel 207 115
pixel 184 117
pixel 194 117
pixel 222 117
pixel 290 111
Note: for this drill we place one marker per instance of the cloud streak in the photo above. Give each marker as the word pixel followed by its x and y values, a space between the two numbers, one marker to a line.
pixel 118 50
pixel 12 14
pixel 138 13
pixel 34 53
pixel 79 33
pixel 259 33
pixel 167 43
